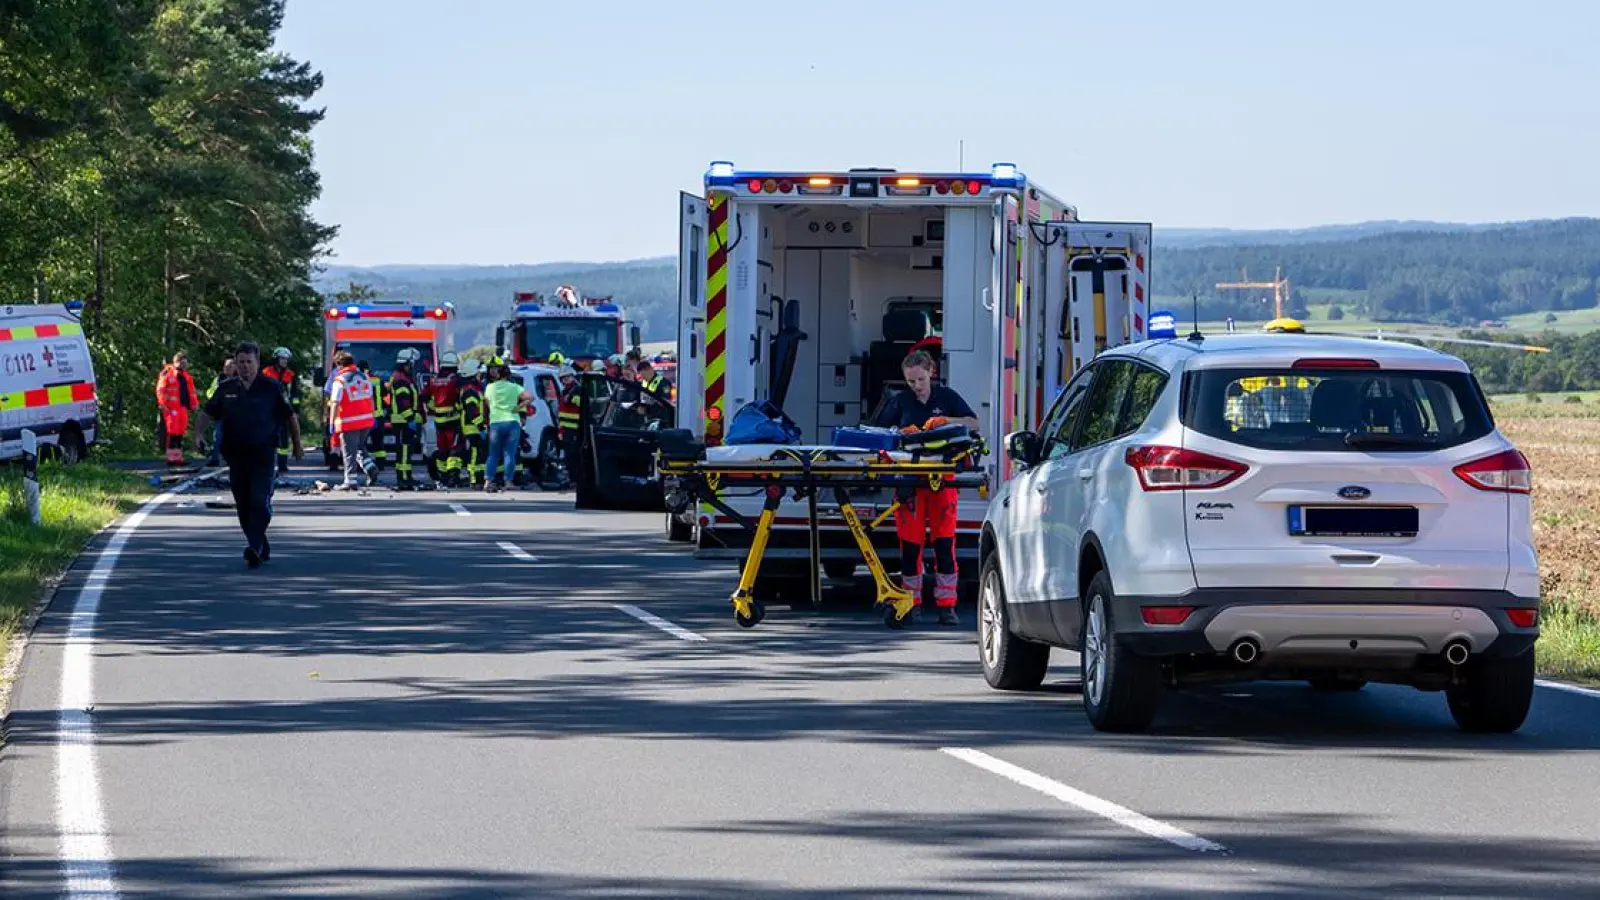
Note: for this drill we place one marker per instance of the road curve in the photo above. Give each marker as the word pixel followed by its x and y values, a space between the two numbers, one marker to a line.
pixel 459 695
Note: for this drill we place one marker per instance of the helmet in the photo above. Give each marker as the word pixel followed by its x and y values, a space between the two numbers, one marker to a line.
pixel 448 360
pixel 497 361
pixel 408 355
pixel 281 353
pixel 469 368
pixel 556 359
pixel 616 359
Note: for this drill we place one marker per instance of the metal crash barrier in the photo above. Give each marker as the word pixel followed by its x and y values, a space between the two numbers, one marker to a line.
pixel 940 459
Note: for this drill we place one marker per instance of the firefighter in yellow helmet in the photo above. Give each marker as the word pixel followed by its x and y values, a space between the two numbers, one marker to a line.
pixel 473 450
pixel 569 415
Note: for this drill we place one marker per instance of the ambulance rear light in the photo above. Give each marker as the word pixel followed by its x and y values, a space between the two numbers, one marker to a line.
pixel 438 312
pixel 961 187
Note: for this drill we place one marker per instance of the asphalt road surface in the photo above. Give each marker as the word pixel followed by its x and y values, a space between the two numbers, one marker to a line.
pixel 459 695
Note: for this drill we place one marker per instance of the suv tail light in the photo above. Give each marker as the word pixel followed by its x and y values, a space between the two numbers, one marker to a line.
pixel 1523 617
pixel 1507 472
pixel 1176 469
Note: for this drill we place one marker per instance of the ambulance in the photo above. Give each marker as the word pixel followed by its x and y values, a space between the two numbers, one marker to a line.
pixel 809 288
pixel 375 331
pixel 46 382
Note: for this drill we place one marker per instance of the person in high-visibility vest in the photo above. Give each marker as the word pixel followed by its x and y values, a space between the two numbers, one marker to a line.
pixel 280 372
pixel 568 415
pixel 474 447
pixel 444 408
pixel 353 406
pixel 507 403
pixel 653 384
pixel 378 443
pixel 177 397
pixel 405 415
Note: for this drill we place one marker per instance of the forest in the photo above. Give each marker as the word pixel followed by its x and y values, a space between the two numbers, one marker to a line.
pixel 156 164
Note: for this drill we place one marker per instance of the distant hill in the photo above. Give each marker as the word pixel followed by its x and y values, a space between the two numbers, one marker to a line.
pixel 1440 272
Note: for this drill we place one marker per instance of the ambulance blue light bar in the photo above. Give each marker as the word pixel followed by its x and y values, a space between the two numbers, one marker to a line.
pixel 528 307
pixel 608 308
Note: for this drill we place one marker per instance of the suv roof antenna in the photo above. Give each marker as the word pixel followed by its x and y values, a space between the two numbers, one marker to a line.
pixel 1195 335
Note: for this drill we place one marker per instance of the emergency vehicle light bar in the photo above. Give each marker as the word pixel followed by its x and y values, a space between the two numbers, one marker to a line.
pixel 381 312
pixel 866 182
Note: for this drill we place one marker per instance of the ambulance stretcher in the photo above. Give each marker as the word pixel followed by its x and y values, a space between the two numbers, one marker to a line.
pixel 941 459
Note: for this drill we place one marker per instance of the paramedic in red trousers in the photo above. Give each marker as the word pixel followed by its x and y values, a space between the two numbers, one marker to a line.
pixel 253 412
pixel 352 407
pixel 928 512
pixel 177 397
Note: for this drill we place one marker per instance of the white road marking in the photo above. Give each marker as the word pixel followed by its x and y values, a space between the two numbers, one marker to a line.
pixel 517 552
pixel 1086 802
pixel 85 851
pixel 459 509
pixel 657 621
pixel 1569 688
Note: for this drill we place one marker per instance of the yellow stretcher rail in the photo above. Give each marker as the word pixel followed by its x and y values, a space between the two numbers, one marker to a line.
pixel 806 472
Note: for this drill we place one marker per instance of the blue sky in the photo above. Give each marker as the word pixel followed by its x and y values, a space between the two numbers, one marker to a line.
pixel 511 131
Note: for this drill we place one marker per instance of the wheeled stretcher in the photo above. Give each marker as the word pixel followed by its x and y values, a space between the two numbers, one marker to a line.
pixel 940 459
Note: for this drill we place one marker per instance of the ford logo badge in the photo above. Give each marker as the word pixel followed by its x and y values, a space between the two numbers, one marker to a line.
pixel 1354 492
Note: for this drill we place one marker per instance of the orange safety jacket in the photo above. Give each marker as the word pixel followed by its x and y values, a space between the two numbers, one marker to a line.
pixel 355 407
pixel 169 393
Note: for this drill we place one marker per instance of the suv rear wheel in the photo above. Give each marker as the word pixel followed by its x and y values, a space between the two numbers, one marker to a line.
pixel 1496 695
pixel 1010 663
pixel 1121 689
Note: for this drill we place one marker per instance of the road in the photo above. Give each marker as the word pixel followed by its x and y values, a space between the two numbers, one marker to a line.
pixel 460 695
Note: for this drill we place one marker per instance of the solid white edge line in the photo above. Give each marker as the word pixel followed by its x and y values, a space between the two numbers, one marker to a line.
pixel 459 509
pixel 1086 802
pixel 649 619
pixel 517 552
pixel 85 850
pixel 1568 688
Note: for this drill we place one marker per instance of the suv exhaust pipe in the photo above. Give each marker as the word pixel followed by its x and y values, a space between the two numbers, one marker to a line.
pixel 1456 652
pixel 1245 650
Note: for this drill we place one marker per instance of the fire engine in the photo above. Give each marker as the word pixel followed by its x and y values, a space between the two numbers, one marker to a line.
pixel 576 326
pixel 375 331
pixel 809 289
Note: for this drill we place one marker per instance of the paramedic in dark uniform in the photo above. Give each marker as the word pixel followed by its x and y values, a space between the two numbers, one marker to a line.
pixel 924 407
pixel 252 409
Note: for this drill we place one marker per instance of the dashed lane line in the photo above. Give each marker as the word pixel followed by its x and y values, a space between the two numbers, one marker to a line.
pixel 459 509
pixel 650 619
pixel 1086 802
pixel 517 552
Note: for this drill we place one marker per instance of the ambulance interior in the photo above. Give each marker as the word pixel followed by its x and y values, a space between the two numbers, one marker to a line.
pixel 851 290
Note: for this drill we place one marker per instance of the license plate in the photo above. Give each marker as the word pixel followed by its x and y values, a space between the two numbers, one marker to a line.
pixel 1353 521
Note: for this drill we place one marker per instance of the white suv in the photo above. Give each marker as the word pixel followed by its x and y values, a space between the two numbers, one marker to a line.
pixel 1276 506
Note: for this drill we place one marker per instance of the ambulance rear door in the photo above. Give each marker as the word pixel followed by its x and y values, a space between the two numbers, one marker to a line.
pixel 1097 289
pixel 691 373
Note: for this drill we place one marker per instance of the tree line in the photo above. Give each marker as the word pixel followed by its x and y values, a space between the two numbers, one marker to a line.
pixel 156 164
pixel 1446 277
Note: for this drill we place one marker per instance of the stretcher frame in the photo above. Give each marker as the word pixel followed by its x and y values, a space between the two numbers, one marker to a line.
pixel 805 472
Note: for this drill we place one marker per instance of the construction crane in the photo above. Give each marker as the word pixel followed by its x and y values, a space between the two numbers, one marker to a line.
pixel 1278 285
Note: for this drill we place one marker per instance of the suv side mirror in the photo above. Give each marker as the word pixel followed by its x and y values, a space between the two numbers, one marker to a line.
pixel 1023 447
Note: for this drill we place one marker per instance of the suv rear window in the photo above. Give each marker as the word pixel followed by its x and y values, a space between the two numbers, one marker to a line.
pixel 1336 409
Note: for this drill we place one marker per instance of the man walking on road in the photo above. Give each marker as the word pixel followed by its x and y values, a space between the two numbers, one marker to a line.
pixel 253 411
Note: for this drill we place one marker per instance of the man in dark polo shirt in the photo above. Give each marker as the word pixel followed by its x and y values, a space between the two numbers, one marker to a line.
pixel 253 410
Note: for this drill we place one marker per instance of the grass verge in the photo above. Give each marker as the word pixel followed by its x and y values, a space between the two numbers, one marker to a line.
pixel 75 502
pixel 1569 642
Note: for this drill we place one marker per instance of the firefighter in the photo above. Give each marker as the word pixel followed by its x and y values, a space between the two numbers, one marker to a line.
pixel 474 447
pixel 177 397
pixel 405 415
pixel 380 416
pixel 568 415
pixel 925 512
pixel 445 410
pixel 280 372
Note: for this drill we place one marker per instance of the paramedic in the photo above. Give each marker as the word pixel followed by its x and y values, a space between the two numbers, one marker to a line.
pixel 926 406
pixel 177 398
pixel 253 410
pixel 354 410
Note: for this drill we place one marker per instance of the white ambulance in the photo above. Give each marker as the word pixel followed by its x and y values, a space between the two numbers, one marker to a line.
pixel 820 283
pixel 46 382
